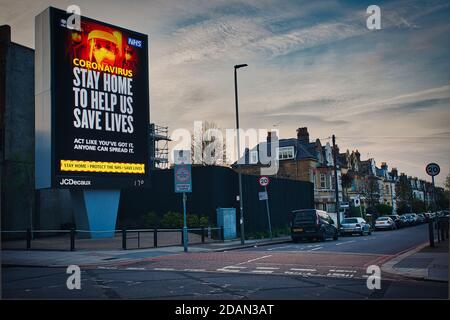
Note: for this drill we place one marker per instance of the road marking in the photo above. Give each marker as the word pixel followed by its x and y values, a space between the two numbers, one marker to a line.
pixel 299 269
pixel 338 244
pixel 318 248
pixel 164 269
pixel 339 275
pixel 236 267
pixel 195 270
pixel 228 270
pixel 278 248
pixel 254 259
pixel 133 268
pixel 262 271
pixel 341 270
pixel 267 268
pixel 107 268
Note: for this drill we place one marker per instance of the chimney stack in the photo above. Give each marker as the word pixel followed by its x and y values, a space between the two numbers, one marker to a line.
pixel 303 135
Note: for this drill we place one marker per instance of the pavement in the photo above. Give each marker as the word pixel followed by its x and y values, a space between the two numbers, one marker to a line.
pixel 421 263
pixel 60 258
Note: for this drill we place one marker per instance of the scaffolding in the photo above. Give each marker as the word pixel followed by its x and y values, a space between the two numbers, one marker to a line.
pixel 159 146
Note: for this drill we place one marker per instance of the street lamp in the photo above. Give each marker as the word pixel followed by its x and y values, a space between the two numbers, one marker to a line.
pixel 241 204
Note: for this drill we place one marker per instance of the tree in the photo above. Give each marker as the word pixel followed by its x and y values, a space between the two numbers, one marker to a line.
pixel 206 147
pixel 383 209
pixel 418 205
pixel 371 190
pixel 346 181
pixel 404 194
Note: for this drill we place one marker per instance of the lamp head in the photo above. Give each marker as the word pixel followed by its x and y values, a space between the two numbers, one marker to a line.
pixel 240 66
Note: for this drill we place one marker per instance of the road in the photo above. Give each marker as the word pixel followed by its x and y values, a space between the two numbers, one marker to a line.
pixel 321 270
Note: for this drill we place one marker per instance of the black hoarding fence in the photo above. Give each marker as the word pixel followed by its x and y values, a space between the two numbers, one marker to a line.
pixel 65 240
pixel 216 187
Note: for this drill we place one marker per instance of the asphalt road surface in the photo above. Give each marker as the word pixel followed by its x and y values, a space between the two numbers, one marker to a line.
pixel 321 270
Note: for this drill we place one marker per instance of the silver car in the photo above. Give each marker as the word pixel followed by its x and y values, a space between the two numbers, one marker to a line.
pixel 354 225
pixel 385 223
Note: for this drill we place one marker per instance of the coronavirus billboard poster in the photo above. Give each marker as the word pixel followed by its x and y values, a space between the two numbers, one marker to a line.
pixel 99 96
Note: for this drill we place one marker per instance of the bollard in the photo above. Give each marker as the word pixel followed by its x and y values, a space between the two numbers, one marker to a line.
pixel 431 232
pixel 182 237
pixel 203 234
pixel 124 239
pixel 28 239
pixel 72 239
pixel 155 237
pixel 222 233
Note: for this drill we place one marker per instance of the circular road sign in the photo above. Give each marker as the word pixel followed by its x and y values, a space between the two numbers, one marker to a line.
pixel 264 181
pixel 182 174
pixel 433 169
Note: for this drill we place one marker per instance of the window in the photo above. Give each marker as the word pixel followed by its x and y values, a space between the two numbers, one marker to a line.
pixel 284 153
pixel 253 157
pixel 323 181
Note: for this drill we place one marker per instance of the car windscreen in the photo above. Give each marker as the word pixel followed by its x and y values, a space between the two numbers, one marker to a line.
pixel 350 221
pixel 307 216
pixel 382 219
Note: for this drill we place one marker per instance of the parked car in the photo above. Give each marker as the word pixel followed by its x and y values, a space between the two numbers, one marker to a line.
pixel 397 220
pixel 384 223
pixel 355 225
pixel 412 221
pixel 312 224
pixel 416 219
pixel 405 221
pixel 421 218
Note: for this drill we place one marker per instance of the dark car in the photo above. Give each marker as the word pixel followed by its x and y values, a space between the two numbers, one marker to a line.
pixel 421 218
pixel 312 224
pixel 398 222
pixel 405 221
pixel 410 219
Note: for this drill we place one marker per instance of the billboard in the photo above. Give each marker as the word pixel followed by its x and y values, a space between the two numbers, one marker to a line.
pixel 92 104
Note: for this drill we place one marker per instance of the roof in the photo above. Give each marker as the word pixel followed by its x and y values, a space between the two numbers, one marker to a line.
pixel 302 151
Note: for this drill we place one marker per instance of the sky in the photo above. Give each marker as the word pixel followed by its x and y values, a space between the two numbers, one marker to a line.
pixel 311 64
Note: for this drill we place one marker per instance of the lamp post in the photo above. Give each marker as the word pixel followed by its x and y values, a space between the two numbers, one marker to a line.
pixel 241 203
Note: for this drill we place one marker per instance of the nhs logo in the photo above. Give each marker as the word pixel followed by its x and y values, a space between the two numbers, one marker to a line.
pixel 135 43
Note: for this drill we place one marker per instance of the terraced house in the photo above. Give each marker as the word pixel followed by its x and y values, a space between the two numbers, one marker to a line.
pixel 300 159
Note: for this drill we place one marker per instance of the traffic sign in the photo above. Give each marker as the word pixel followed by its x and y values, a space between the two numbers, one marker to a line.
pixel 433 169
pixel 183 179
pixel 263 195
pixel 264 181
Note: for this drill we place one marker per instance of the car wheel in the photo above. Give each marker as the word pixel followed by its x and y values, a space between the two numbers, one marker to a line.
pixel 336 236
pixel 323 236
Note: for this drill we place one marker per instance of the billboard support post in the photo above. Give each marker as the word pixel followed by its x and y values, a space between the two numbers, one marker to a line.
pixel 96 211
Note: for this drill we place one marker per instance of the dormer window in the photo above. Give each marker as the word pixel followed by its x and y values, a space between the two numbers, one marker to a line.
pixel 284 153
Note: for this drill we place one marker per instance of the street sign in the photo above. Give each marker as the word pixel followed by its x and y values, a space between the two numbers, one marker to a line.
pixel 433 169
pixel 183 178
pixel 264 181
pixel 263 195
pixel 182 157
pixel 357 202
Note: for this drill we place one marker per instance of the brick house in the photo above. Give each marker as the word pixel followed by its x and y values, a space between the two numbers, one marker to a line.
pixel 299 159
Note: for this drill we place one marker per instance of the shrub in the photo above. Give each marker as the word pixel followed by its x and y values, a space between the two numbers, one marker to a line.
pixel 151 220
pixel 172 220
pixel 193 221
pixel 204 221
